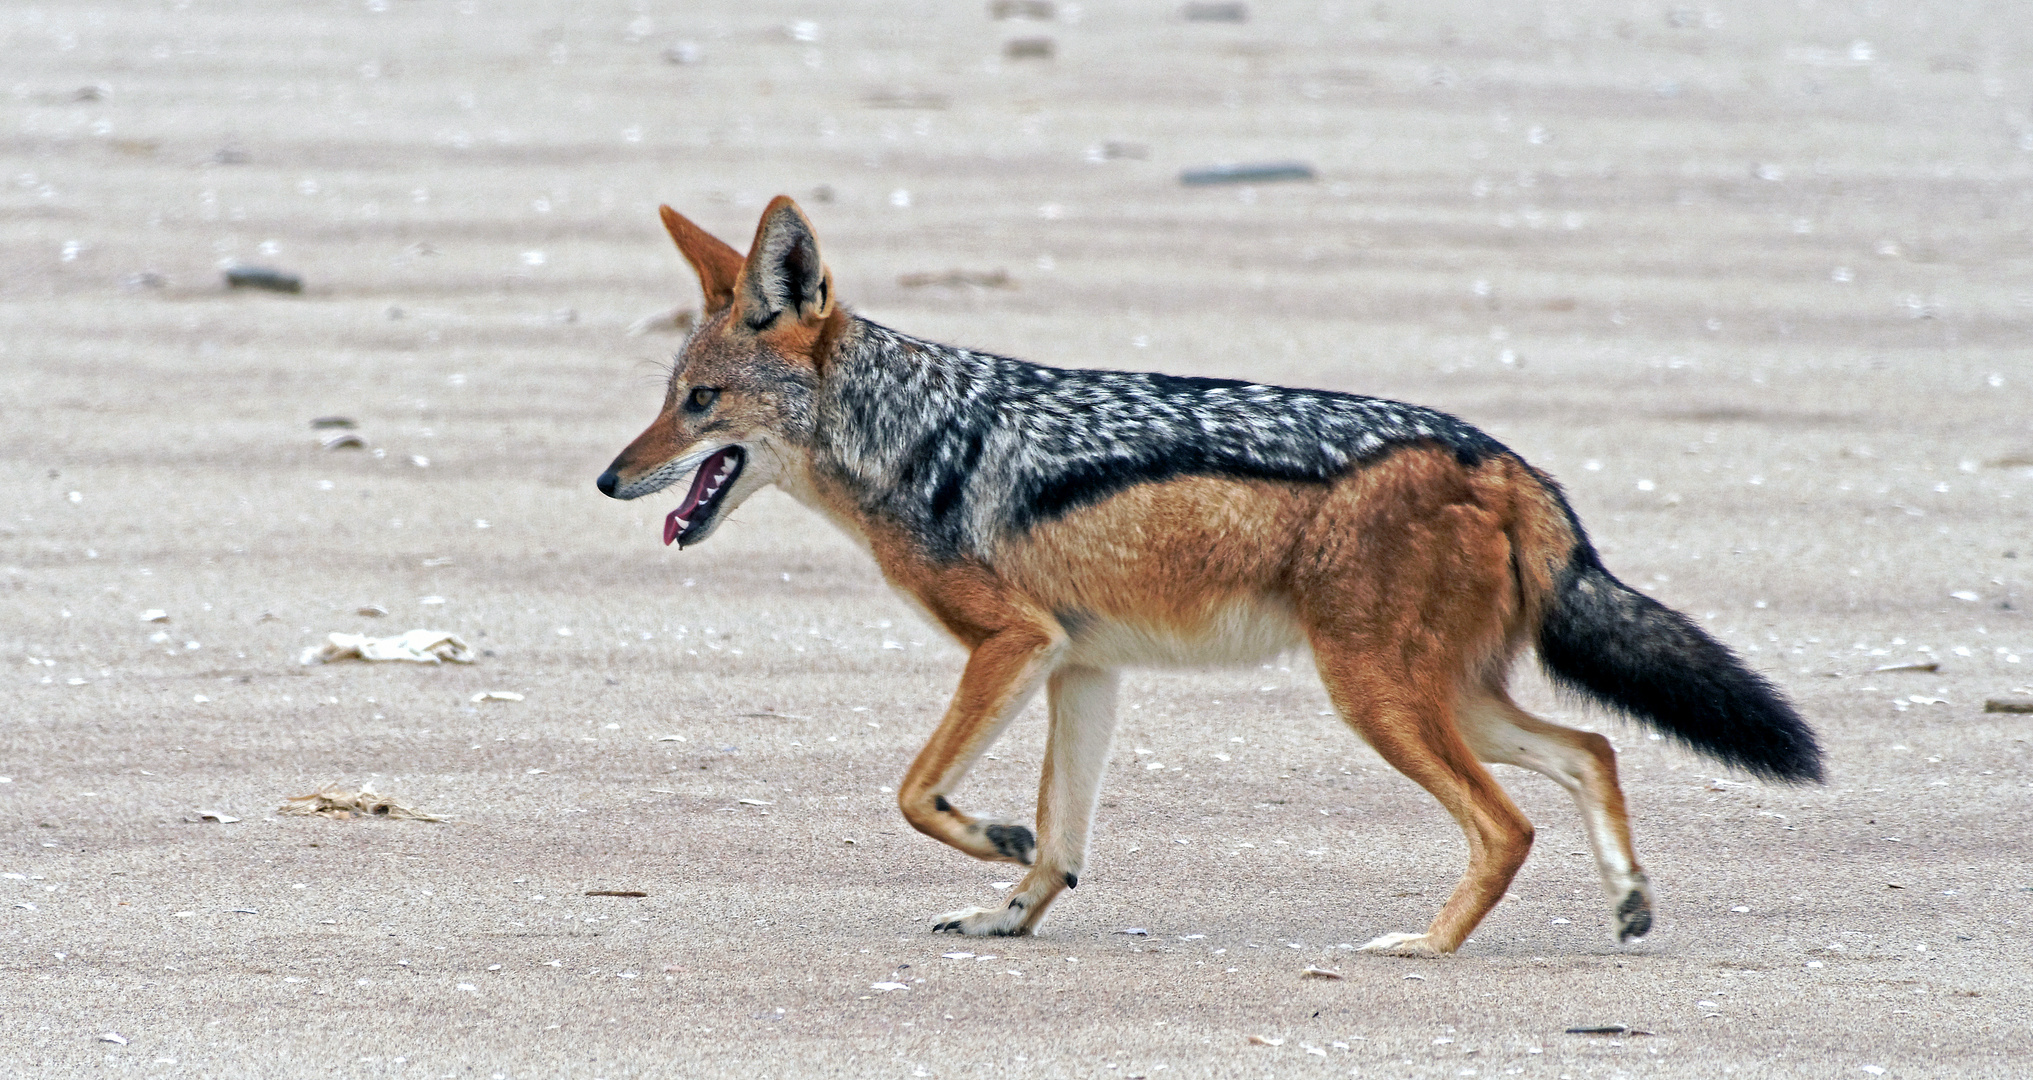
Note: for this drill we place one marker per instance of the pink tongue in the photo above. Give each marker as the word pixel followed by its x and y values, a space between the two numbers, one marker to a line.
pixel 707 475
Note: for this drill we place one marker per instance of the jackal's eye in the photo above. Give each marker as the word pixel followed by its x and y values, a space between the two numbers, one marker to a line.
pixel 701 398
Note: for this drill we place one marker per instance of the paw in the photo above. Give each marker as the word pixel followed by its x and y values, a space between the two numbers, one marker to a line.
pixel 1006 921
pixel 1012 842
pixel 1634 915
pixel 1419 945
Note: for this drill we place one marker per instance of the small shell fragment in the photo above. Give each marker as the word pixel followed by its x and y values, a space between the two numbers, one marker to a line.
pixel 1259 1040
pixel 1313 971
pixel 416 646
pixel 496 695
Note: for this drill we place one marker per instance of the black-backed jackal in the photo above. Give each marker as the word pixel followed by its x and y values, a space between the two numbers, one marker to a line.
pixel 1064 524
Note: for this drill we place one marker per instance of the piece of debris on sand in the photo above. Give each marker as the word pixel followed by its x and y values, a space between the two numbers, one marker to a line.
pixel 416 646
pixel 981 279
pixel 1255 173
pixel 1042 10
pixel 677 320
pixel 334 803
pixel 1225 11
pixel 262 277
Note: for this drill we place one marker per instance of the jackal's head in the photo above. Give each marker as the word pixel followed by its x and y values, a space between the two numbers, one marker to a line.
pixel 739 408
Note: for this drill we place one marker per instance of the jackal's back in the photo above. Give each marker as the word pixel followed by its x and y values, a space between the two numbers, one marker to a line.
pixel 964 448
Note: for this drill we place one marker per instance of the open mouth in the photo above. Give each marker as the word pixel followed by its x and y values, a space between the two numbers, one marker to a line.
pixel 709 486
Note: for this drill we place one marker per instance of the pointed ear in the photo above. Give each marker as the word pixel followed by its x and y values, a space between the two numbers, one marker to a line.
pixel 718 266
pixel 783 275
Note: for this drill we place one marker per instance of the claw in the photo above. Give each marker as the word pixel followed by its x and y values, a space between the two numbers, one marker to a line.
pixel 983 922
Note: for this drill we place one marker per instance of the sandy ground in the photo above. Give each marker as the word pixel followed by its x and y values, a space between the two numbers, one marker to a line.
pixel 1752 279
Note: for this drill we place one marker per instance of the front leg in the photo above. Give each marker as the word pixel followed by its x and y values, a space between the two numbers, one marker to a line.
pixel 1076 753
pixel 1002 674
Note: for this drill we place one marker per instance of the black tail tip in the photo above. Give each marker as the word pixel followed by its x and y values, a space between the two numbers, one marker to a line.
pixel 1762 736
pixel 1635 655
pixel 1805 767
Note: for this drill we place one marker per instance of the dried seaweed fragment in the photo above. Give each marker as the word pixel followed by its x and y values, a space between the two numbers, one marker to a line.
pixel 334 803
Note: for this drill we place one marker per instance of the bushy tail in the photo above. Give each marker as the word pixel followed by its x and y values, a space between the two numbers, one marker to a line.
pixel 1626 650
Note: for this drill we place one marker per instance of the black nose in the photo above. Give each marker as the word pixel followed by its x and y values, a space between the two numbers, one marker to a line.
pixel 607 483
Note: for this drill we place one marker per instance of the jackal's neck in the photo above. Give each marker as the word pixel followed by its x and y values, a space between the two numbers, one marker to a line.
pixel 889 407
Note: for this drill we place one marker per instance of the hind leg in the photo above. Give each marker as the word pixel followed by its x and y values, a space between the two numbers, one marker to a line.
pixel 1082 704
pixel 1583 763
pixel 1409 720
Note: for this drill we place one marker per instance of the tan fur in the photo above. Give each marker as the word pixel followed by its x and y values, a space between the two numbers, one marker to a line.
pixel 659 442
pixel 717 265
pixel 1414 580
pixel 1400 578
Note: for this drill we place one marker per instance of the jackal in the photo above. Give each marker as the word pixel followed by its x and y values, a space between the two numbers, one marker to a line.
pixel 1063 524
